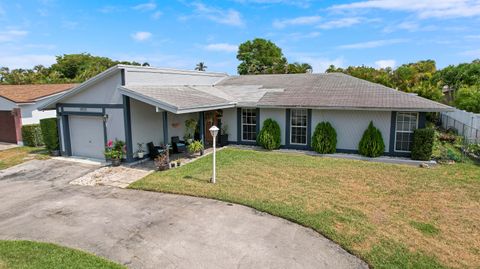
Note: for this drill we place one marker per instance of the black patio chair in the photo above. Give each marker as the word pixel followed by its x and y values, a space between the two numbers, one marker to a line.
pixel 153 150
pixel 178 145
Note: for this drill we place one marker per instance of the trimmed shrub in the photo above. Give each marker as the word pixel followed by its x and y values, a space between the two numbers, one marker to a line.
pixel 371 144
pixel 324 138
pixel 270 135
pixel 50 133
pixel 422 146
pixel 32 135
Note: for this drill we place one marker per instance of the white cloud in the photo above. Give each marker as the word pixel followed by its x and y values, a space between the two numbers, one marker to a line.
pixel 385 63
pixel 141 36
pixel 12 35
pixel 156 15
pixel 27 60
pixel 373 44
pixel 340 23
pixel 225 47
pixel 423 9
pixel 223 16
pixel 305 20
pixel 299 3
pixel 145 6
pixel 472 53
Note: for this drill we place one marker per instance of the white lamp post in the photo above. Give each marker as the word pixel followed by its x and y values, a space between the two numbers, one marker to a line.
pixel 214 131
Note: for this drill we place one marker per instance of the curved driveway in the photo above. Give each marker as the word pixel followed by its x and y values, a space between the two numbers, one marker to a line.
pixel 153 230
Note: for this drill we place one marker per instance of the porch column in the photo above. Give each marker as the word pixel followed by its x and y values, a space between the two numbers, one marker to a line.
pixel 128 128
pixel 202 126
pixel 165 127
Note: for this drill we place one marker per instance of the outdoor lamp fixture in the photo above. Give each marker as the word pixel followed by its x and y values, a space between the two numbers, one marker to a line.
pixel 214 132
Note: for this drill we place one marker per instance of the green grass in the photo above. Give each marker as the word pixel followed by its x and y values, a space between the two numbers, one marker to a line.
pixel 368 208
pixel 14 156
pixel 36 255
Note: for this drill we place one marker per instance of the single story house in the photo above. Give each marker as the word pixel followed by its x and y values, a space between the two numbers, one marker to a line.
pixel 19 106
pixel 145 104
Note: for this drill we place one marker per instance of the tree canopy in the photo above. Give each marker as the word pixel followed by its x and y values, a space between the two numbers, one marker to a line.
pixel 261 56
pixel 68 68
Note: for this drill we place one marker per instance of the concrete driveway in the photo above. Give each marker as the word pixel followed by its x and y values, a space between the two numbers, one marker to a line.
pixel 153 230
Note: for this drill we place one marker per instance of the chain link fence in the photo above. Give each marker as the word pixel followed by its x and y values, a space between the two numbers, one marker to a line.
pixel 470 134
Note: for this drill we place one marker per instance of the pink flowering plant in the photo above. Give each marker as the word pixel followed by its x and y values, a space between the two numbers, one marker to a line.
pixel 115 149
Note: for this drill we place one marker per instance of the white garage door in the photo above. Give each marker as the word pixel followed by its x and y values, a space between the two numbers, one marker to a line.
pixel 86 136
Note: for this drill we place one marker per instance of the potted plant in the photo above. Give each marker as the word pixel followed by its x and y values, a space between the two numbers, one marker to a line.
pixel 195 147
pixel 223 138
pixel 190 126
pixel 115 151
pixel 140 150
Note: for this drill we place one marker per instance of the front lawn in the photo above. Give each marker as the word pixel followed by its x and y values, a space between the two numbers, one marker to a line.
pixel 35 255
pixel 14 156
pixel 393 216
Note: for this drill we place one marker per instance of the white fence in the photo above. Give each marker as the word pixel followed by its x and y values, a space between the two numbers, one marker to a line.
pixel 467 124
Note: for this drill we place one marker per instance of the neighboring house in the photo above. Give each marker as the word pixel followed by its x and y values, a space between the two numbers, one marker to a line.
pixel 19 106
pixel 144 104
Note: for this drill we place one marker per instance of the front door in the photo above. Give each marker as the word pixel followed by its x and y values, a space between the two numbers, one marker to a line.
pixel 210 120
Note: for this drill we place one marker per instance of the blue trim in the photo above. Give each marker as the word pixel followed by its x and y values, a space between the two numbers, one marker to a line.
pixel 128 128
pixel 90 105
pixel 79 113
pixel 165 127
pixel 422 120
pixel 239 125
pixel 201 125
pixel 258 123
pixel 105 139
pixel 309 129
pixel 66 135
pixel 287 127
pixel 393 123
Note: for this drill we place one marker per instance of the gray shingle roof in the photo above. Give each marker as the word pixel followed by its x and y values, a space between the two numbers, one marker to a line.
pixel 332 90
pixel 176 99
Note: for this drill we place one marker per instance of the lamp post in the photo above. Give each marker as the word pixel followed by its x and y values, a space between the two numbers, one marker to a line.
pixel 214 131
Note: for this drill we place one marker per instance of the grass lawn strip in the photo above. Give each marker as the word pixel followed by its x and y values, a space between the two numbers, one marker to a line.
pixel 390 215
pixel 14 156
pixel 36 255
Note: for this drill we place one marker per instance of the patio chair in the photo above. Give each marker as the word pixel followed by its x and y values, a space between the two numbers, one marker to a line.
pixel 154 151
pixel 177 145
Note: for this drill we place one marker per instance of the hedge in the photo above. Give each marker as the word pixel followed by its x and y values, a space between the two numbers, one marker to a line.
pixel 422 146
pixel 324 138
pixel 270 135
pixel 32 135
pixel 371 144
pixel 50 133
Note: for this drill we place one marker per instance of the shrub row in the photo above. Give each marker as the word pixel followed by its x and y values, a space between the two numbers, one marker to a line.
pixel 324 140
pixel 45 133
pixel 32 135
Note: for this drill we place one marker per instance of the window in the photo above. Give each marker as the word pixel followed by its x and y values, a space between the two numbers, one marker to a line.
pixel 298 126
pixel 406 123
pixel 249 124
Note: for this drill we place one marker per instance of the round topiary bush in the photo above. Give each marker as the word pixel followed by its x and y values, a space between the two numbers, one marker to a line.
pixel 422 146
pixel 270 137
pixel 324 138
pixel 371 144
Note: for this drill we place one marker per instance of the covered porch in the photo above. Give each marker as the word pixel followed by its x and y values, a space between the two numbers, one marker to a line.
pixel 169 116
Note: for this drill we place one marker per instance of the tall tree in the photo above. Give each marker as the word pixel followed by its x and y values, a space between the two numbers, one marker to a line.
pixel 468 98
pixel 260 56
pixel 201 66
pixel 296 68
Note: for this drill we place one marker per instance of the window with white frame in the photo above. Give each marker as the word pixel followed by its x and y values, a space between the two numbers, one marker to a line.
pixel 406 123
pixel 298 126
pixel 249 124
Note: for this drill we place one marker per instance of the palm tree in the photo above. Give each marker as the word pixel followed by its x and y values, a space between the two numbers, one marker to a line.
pixel 201 66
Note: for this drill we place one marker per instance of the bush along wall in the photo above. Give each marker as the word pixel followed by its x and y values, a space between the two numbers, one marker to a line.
pixel 32 135
pixel 270 135
pixel 422 147
pixel 324 138
pixel 50 133
pixel 371 144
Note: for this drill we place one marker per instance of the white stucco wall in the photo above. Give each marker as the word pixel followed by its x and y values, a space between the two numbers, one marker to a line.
pixel 230 119
pixel 176 124
pixel 115 124
pixel 350 125
pixel 147 124
pixel 102 92
pixel 277 114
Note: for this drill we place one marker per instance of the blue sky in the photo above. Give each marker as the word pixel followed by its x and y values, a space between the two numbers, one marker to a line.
pixel 181 33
